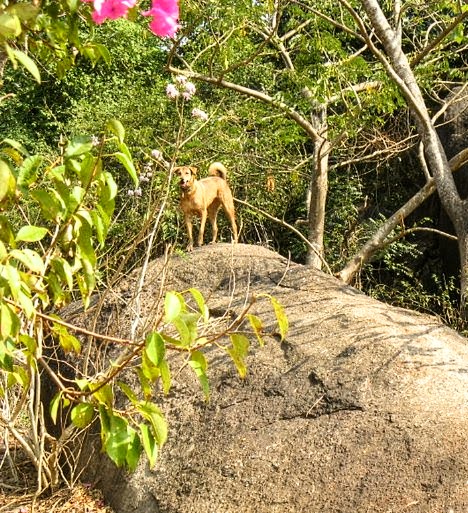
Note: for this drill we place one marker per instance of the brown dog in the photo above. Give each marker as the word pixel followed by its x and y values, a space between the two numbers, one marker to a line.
pixel 203 198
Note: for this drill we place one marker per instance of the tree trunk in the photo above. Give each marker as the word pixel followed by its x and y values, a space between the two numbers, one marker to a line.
pixel 400 71
pixel 463 249
pixel 318 190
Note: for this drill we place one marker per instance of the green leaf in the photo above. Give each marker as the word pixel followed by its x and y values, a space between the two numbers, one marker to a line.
pixel 29 342
pixel 281 317
pixel 257 327
pixel 145 382
pixel 78 146
pixel 116 127
pixel 26 304
pixel 133 450
pixel 10 26
pixel 25 11
pixel 174 305
pixel 54 406
pixel 6 232
pixel 50 207
pixel 100 227
pixel 7 182
pixel 9 322
pixel 105 421
pixel 67 341
pixel 128 391
pixel 16 145
pixel 63 270
pixel 82 415
pixel 183 331
pixel 165 376
pixel 30 258
pixel 238 352
pixel 128 165
pixel 3 252
pixel 89 168
pixel 199 365
pixel 158 422
pixel 20 377
pixel 148 369
pixel 104 394
pixel 11 274
pixel 200 300
pixel 110 189
pixel 104 53
pixel 27 62
pixel 31 233
pixel 149 444
pixel 118 438
pixel 155 348
pixel 29 170
pixel 6 355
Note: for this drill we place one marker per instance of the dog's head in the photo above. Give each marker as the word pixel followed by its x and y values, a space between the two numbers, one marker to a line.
pixel 187 175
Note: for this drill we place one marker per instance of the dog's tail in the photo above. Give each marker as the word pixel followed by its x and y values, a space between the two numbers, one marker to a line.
pixel 217 169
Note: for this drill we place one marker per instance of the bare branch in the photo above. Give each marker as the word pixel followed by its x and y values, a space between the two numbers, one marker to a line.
pixel 253 93
pixel 377 241
pixel 290 227
pixel 459 19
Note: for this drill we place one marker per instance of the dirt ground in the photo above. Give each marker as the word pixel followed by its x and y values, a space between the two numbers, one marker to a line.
pixel 18 493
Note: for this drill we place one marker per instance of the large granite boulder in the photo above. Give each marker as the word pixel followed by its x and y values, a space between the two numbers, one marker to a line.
pixel 363 408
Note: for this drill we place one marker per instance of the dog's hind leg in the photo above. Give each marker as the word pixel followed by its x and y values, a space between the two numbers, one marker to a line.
pixel 212 216
pixel 228 205
pixel 201 233
pixel 188 224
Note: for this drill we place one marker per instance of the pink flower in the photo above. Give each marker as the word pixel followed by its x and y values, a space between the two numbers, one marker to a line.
pixel 200 114
pixel 165 15
pixel 190 88
pixel 110 9
pixel 172 91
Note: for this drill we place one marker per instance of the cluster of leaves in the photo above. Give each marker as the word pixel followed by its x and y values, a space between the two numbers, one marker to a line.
pixel 53 257
pixel 68 205
pixel 52 31
pixel 140 425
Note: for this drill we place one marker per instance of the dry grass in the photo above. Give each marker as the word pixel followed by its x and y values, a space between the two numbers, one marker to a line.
pixel 18 491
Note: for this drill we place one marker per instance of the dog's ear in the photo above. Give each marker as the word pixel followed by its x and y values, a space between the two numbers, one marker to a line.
pixel 194 170
pixel 177 170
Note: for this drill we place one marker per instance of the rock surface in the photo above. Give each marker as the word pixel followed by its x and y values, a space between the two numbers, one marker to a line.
pixel 363 408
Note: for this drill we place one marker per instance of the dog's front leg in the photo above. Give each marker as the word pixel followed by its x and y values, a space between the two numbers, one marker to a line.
pixel 201 233
pixel 188 224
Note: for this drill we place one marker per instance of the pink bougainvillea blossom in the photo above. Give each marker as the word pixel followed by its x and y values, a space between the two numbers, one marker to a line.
pixel 110 9
pixel 165 15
